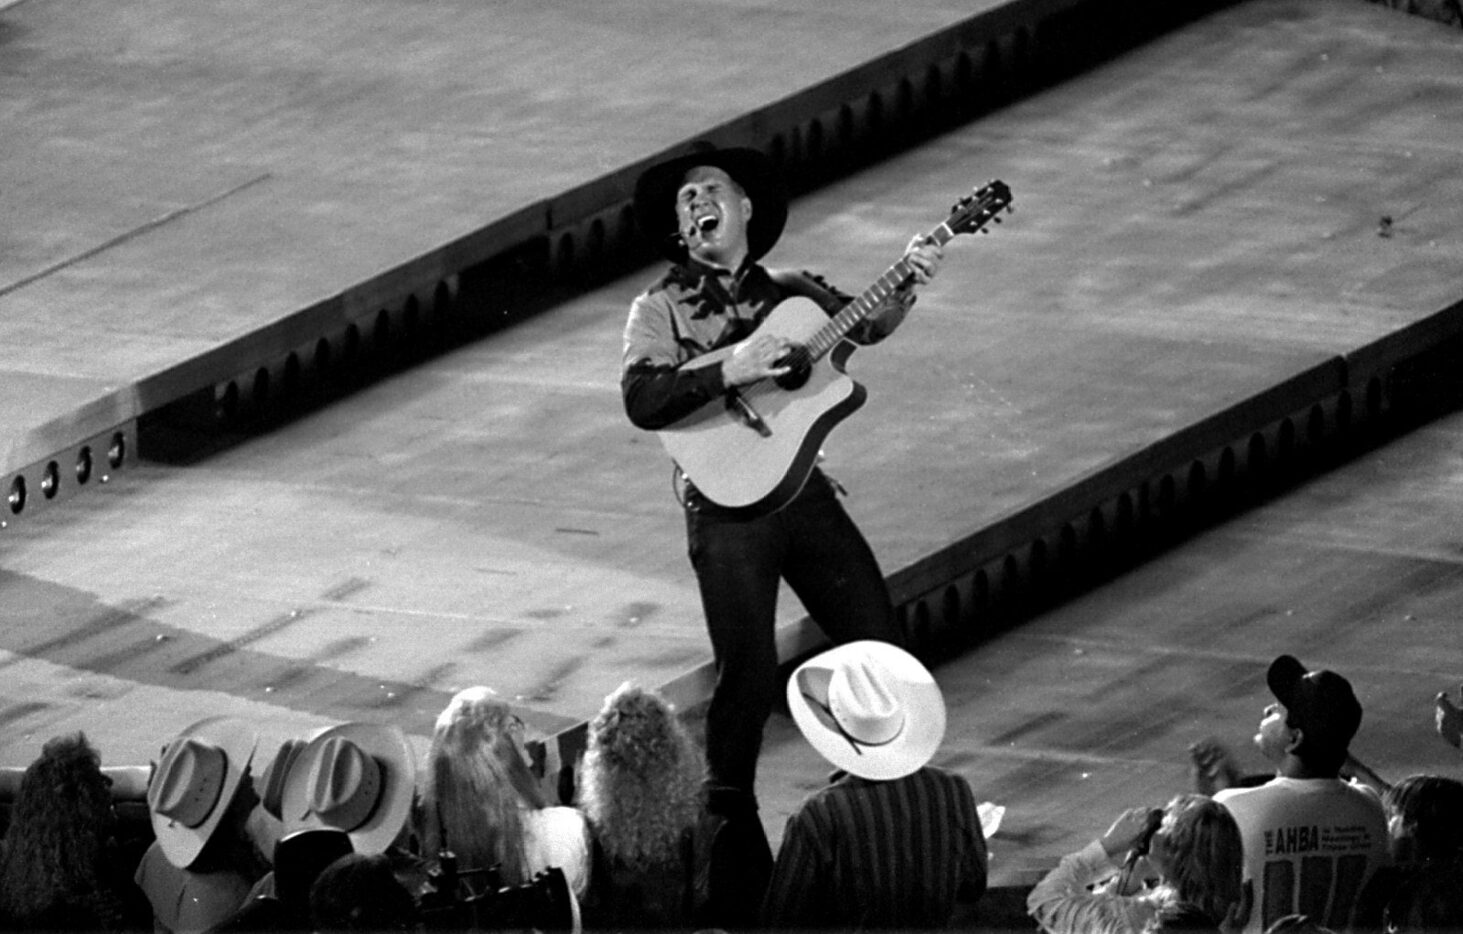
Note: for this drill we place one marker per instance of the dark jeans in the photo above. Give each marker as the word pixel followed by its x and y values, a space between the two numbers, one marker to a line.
pixel 814 545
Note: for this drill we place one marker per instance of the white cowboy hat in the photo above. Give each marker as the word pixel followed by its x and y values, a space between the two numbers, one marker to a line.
pixel 355 777
pixel 870 708
pixel 195 783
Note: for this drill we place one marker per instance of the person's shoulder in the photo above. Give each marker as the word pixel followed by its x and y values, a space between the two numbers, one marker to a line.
pixel 672 279
pixel 830 797
pixel 798 281
pixel 561 816
pixel 942 774
pixel 1283 792
pixel 1364 795
pixel 656 286
pixel 1242 795
pixel 1328 788
pixel 944 778
pixel 1252 788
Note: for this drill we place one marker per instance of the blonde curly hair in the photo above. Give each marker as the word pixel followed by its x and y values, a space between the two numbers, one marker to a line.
pixel 641 780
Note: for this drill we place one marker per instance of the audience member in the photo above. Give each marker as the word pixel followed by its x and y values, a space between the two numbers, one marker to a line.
pixel 1312 840
pixel 266 822
pixel 1193 850
pixel 261 910
pixel 891 842
pixel 359 778
pixel 1448 717
pixel 348 789
pixel 280 901
pixel 482 803
pixel 360 892
pixel 60 868
pixel 203 863
pixel 640 788
pixel 1423 889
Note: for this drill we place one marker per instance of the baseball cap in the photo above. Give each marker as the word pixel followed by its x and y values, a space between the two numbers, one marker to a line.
pixel 1320 703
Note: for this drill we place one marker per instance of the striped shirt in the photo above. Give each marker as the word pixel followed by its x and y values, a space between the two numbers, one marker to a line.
pixel 863 854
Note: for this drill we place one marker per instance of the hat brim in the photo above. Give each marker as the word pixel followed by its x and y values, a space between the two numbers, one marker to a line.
pixel 655 195
pixel 388 746
pixel 182 844
pixel 916 690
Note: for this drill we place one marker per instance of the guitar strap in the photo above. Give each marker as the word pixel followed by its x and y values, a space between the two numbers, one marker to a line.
pixel 809 285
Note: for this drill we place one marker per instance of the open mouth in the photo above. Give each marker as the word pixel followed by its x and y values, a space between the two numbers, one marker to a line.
pixel 706 223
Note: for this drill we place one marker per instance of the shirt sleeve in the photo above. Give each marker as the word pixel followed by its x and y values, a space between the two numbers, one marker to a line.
pixel 1062 904
pixel 799 883
pixel 976 869
pixel 657 391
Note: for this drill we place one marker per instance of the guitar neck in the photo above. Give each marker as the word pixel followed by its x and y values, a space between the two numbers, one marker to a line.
pixel 839 326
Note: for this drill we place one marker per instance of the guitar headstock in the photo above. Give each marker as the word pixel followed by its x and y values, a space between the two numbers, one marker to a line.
pixel 982 206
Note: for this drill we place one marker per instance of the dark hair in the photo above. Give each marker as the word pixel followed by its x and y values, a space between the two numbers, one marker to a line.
pixel 1320 751
pixel 52 862
pixel 299 859
pixel 1431 808
pixel 359 892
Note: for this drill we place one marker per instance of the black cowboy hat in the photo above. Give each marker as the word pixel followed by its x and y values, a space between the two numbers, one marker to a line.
pixel 655 197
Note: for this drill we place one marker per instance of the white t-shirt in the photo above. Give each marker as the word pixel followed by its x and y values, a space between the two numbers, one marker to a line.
pixel 1311 845
pixel 558 836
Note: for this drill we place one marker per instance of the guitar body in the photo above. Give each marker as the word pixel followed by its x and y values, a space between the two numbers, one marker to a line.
pixel 752 469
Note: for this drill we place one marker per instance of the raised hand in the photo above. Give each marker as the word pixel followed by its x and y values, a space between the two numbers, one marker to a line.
pixel 1125 832
pixel 1212 766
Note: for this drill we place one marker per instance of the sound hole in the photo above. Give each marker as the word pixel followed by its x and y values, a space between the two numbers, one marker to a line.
pixel 800 366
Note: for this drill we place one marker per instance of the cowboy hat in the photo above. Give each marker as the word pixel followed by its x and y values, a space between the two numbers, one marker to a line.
pixel 271 783
pixel 200 772
pixel 870 708
pixel 655 197
pixel 355 777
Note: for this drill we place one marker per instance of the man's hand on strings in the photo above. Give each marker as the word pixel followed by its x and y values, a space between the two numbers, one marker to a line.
pixel 755 358
pixel 924 256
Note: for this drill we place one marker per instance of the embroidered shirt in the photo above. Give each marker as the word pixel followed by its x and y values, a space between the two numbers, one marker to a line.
pixel 694 309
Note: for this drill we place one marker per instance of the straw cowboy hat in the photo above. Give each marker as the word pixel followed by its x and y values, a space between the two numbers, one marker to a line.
pixel 655 197
pixel 355 777
pixel 200 772
pixel 869 708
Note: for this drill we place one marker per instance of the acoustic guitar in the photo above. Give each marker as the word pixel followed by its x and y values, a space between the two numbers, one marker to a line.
pixel 753 450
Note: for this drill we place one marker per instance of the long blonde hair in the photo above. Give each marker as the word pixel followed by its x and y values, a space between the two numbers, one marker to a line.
pixel 477 785
pixel 641 781
pixel 1205 854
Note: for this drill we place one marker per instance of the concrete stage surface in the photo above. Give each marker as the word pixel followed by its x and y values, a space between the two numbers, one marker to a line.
pixel 1245 227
